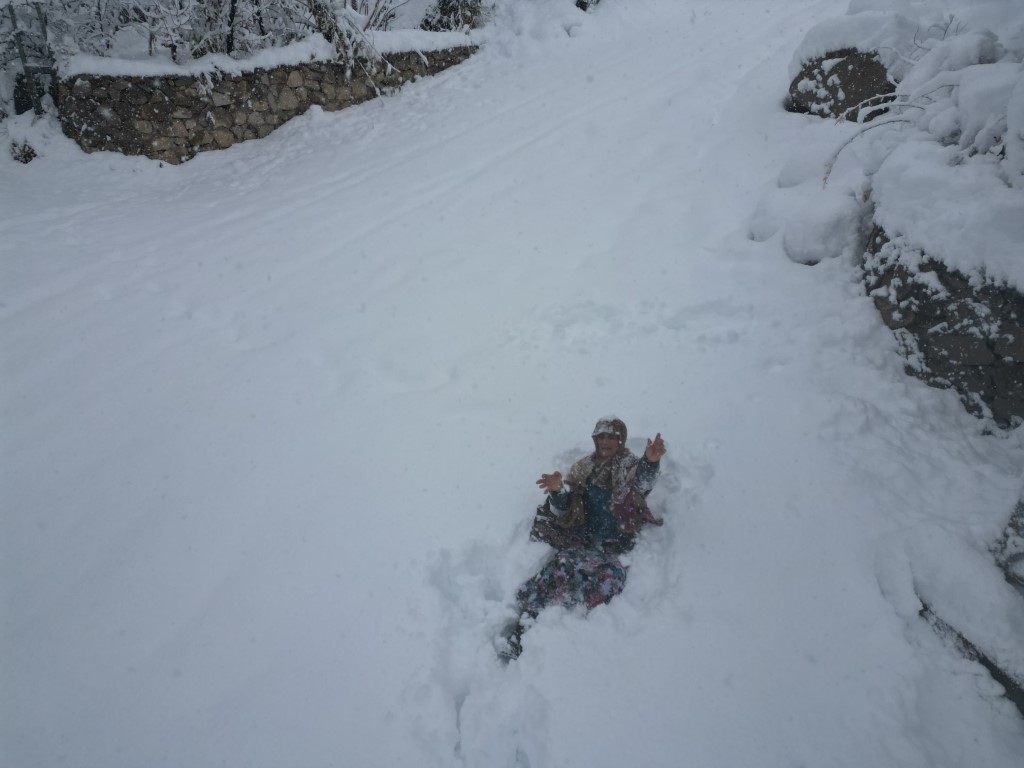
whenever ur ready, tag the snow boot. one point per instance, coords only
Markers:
(510, 642)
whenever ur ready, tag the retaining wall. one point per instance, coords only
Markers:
(171, 118)
(956, 331)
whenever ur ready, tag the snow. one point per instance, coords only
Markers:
(273, 419)
(975, 598)
(888, 33)
(952, 55)
(313, 48)
(921, 195)
(1015, 136)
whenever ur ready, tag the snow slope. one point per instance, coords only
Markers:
(273, 417)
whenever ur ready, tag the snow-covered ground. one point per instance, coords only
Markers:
(272, 420)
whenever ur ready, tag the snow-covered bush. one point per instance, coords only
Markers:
(30, 43)
(192, 28)
(954, 183)
(960, 93)
(946, 165)
(378, 13)
(452, 15)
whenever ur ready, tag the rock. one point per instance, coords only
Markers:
(153, 111)
(223, 138)
(294, 79)
(1007, 411)
(1010, 342)
(286, 100)
(186, 97)
(831, 86)
(123, 110)
(1008, 379)
(359, 89)
(960, 349)
(168, 156)
(220, 118)
(136, 96)
(892, 315)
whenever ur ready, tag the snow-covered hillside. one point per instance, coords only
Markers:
(272, 421)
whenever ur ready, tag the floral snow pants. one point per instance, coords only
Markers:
(577, 575)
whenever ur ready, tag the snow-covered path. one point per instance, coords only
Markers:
(273, 419)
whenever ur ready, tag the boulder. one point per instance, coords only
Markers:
(835, 84)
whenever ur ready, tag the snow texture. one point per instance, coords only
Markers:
(273, 419)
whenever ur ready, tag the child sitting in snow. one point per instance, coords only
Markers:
(600, 506)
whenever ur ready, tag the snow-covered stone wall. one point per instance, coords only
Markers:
(173, 117)
(956, 331)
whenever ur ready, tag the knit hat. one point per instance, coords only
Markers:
(610, 425)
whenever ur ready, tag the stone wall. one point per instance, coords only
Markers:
(956, 332)
(171, 118)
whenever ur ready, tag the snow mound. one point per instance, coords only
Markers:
(828, 226)
(890, 34)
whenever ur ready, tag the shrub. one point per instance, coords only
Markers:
(452, 15)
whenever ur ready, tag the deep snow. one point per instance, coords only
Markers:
(273, 417)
